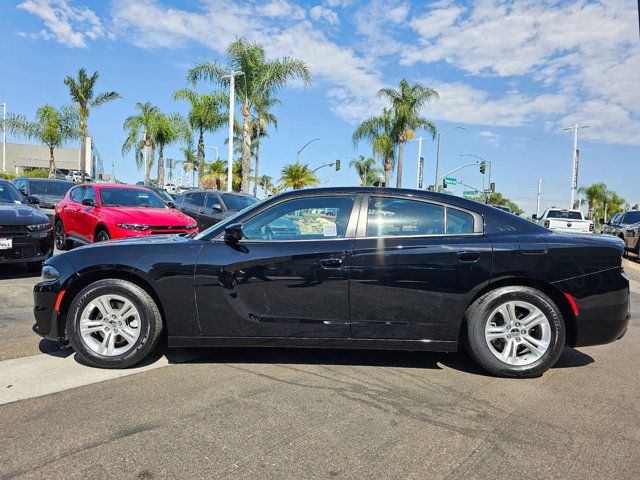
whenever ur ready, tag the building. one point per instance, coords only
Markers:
(21, 157)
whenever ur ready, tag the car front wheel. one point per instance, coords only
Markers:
(113, 323)
(515, 332)
(62, 242)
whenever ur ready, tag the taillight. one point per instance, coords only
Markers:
(591, 227)
(546, 224)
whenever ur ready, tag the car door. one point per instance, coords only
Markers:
(294, 287)
(213, 211)
(86, 217)
(72, 210)
(193, 206)
(415, 267)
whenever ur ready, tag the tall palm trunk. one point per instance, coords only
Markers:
(387, 170)
(147, 160)
(246, 148)
(200, 155)
(83, 144)
(256, 178)
(400, 159)
(160, 181)
(52, 164)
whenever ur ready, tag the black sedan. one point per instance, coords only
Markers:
(364, 268)
(48, 191)
(26, 235)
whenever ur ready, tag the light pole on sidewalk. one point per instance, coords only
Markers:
(232, 93)
(440, 135)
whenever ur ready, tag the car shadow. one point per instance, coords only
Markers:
(51, 347)
(12, 271)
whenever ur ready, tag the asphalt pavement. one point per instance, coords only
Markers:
(285, 413)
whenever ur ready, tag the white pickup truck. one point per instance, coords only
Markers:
(564, 220)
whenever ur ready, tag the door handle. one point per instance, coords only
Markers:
(331, 263)
(201, 210)
(469, 256)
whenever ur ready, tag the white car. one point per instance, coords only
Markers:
(171, 188)
(76, 176)
(565, 220)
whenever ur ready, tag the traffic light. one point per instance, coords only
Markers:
(483, 167)
(492, 187)
(444, 184)
(337, 165)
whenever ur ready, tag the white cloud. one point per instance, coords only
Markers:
(281, 8)
(69, 25)
(322, 13)
(490, 137)
(376, 22)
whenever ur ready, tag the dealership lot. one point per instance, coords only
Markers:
(316, 414)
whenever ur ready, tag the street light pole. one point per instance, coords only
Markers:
(435, 184)
(216, 148)
(305, 146)
(574, 160)
(4, 136)
(232, 92)
(420, 170)
(540, 180)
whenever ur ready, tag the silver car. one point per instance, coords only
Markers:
(620, 222)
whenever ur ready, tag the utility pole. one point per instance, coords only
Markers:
(435, 184)
(305, 146)
(4, 136)
(420, 164)
(232, 92)
(540, 180)
(575, 158)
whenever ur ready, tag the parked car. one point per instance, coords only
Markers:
(76, 176)
(47, 191)
(171, 188)
(164, 195)
(95, 213)
(26, 235)
(565, 220)
(369, 268)
(619, 223)
(209, 207)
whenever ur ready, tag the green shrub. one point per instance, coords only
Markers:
(36, 173)
(7, 175)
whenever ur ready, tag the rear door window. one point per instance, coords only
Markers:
(197, 199)
(388, 216)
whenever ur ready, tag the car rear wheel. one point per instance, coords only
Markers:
(113, 324)
(62, 242)
(102, 236)
(515, 332)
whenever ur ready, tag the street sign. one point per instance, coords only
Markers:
(450, 181)
(470, 192)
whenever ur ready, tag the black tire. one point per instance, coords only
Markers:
(102, 235)
(150, 323)
(478, 315)
(62, 242)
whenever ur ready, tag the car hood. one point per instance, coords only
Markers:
(20, 214)
(149, 216)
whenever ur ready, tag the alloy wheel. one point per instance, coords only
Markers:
(110, 325)
(59, 232)
(518, 333)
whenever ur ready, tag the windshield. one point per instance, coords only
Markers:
(226, 221)
(237, 202)
(50, 187)
(130, 197)
(564, 214)
(632, 217)
(9, 193)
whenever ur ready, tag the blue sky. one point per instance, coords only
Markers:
(513, 73)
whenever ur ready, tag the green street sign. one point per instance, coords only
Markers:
(470, 192)
(450, 181)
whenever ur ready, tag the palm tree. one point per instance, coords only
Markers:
(215, 175)
(51, 126)
(166, 130)
(190, 162)
(367, 171)
(266, 183)
(406, 103)
(261, 78)
(205, 116)
(297, 176)
(81, 92)
(139, 128)
(380, 132)
(263, 118)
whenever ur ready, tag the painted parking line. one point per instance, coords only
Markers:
(38, 375)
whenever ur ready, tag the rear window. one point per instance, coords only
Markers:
(564, 215)
(57, 188)
(237, 202)
(632, 217)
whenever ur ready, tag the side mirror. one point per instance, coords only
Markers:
(33, 200)
(233, 233)
(88, 202)
(217, 207)
(603, 222)
(534, 216)
(23, 191)
(171, 205)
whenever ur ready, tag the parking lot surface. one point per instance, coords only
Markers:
(278, 413)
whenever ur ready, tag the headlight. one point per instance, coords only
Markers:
(49, 273)
(191, 227)
(133, 226)
(39, 227)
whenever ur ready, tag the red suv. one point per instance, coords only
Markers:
(95, 213)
